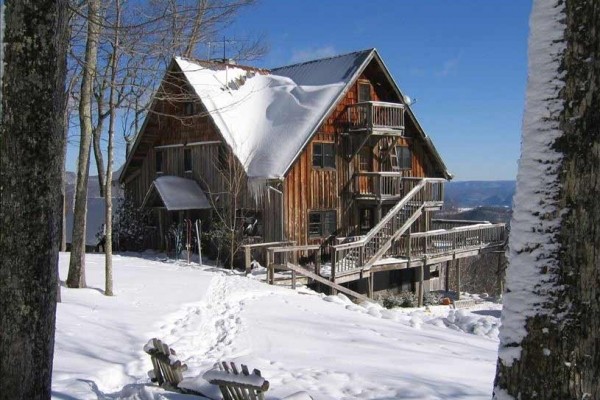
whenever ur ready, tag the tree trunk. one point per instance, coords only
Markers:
(76, 277)
(31, 159)
(550, 334)
(108, 287)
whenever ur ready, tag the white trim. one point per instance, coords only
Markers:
(204, 143)
(167, 146)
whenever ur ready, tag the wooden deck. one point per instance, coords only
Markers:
(390, 245)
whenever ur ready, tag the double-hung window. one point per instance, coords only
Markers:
(402, 159)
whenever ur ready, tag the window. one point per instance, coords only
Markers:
(324, 155)
(321, 223)
(365, 157)
(364, 92)
(187, 160)
(404, 156)
(188, 108)
(159, 161)
(402, 159)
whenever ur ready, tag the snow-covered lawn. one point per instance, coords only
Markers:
(324, 345)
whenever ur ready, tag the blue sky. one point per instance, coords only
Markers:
(465, 62)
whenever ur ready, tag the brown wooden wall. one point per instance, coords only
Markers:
(305, 188)
(309, 189)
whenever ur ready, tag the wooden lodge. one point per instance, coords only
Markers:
(323, 158)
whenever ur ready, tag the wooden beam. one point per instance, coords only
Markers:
(332, 285)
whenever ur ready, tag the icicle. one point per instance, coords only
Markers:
(257, 187)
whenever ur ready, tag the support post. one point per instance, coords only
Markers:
(500, 274)
(370, 285)
(247, 259)
(447, 277)
(270, 266)
(332, 278)
(421, 281)
(457, 262)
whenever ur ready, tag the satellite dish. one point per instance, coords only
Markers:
(408, 101)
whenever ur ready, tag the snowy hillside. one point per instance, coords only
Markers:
(300, 340)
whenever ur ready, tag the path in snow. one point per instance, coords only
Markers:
(326, 345)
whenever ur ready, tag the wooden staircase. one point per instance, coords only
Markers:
(362, 253)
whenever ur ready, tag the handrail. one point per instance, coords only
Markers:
(378, 103)
(448, 241)
(383, 221)
(362, 253)
(383, 173)
(371, 114)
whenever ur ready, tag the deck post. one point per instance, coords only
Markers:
(332, 278)
(247, 259)
(370, 285)
(421, 280)
(447, 277)
(270, 266)
(457, 262)
(500, 274)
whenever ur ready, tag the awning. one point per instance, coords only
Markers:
(175, 193)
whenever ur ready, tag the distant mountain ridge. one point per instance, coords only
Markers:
(470, 194)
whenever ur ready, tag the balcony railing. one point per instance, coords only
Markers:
(375, 116)
(382, 185)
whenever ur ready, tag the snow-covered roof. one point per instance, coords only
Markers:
(176, 194)
(268, 118)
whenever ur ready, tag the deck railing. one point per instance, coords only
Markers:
(446, 242)
(364, 252)
(375, 115)
(453, 223)
(391, 184)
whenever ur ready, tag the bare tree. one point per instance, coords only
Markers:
(76, 276)
(31, 158)
(550, 334)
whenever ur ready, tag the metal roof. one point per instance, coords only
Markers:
(325, 71)
(175, 193)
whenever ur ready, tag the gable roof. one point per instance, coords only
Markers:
(268, 117)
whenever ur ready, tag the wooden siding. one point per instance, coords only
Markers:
(307, 188)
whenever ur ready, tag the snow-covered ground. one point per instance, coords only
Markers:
(325, 345)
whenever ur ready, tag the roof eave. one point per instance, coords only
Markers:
(427, 139)
(139, 134)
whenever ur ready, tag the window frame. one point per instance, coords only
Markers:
(405, 157)
(322, 159)
(188, 108)
(360, 86)
(365, 158)
(324, 226)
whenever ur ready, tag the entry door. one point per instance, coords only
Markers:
(366, 219)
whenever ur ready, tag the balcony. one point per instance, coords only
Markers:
(390, 186)
(376, 117)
